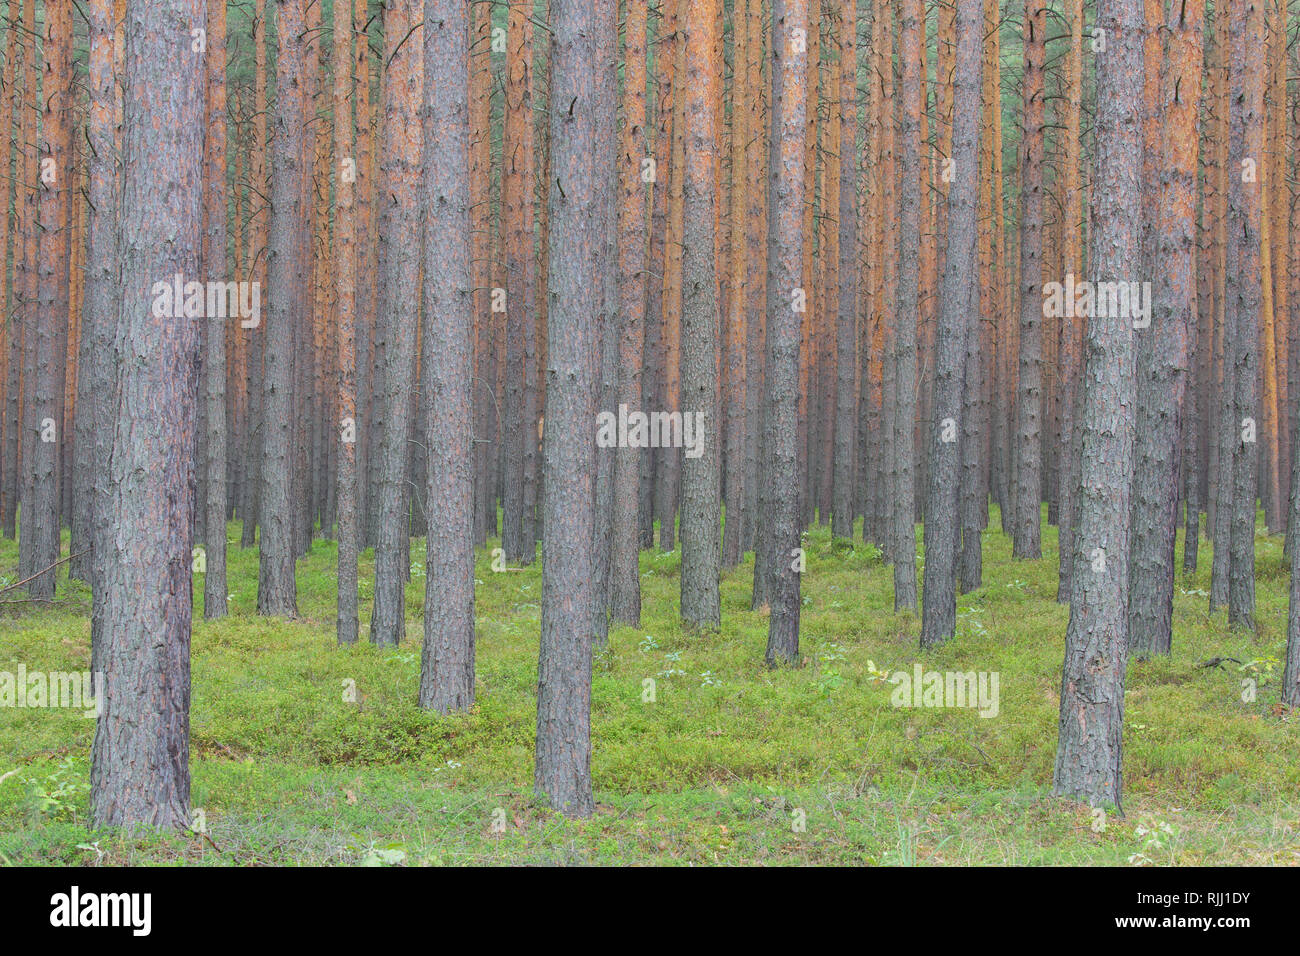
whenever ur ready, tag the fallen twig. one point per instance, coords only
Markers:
(18, 584)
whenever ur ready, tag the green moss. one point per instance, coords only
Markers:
(291, 766)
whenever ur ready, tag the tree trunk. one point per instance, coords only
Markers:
(1163, 347)
(953, 334)
(345, 429)
(12, 325)
(562, 772)
(95, 374)
(905, 319)
(1026, 541)
(700, 531)
(780, 473)
(755, 270)
(400, 175)
(670, 459)
(1073, 328)
(214, 358)
(1242, 334)
(41, 521)
(140, 758)
(277, 593)
(846, 323)
(736, 334)
(517, 226)
(447, 675)
(1096, 639)
(625, 572)
(606, 357)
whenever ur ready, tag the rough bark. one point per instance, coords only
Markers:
(1072, 329)
(520, 263)
(700, 532)
(737, 304)
(400, 173)
(10, 102)
(625, 572)
(670, 459)
(95, 375)
(1242, 334)
(780, 474)
(846, 322)
(606, 356)
(447, 675)
(345, 175)
(562, 772)
(908, 310)
(956, 327)
(1026, 533)
(41, 520)
(140, 758)
(1163, 348)
(1088, 765)
(214, 333)
(755, 270)
(276, 588)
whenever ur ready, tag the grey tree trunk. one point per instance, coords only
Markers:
(755, 279)
(780, 536)
(562, 773)
(26, 276)
(1026, 535)
(700, 516)
(277, 592)
(735, 305)
(1291, 670)
(520, 266)
(911, 31)
(95, 374)
(1220, 517)
(1164, 347)
(606, 356)
(846, 324)
(214, 358)
(140, 758)
(1245, 144)
(347, 66)
(955, 330)
(447, 675)
(12, 323)
(1096, 639)
(41, 521)
(400, 165)
(625, 572)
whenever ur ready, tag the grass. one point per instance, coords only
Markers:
(306, 753)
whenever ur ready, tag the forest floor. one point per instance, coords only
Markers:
(731, 763)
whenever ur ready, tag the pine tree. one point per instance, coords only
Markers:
(785, 296)
(447, 676)
(276, 586)
(140, 758)
(1096, 640)
(625, 571)
(214, 331)
(701, 555)
(956, 326)
(400, 170)
(1163, 347)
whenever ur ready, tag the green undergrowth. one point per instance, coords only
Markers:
(305, 752)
